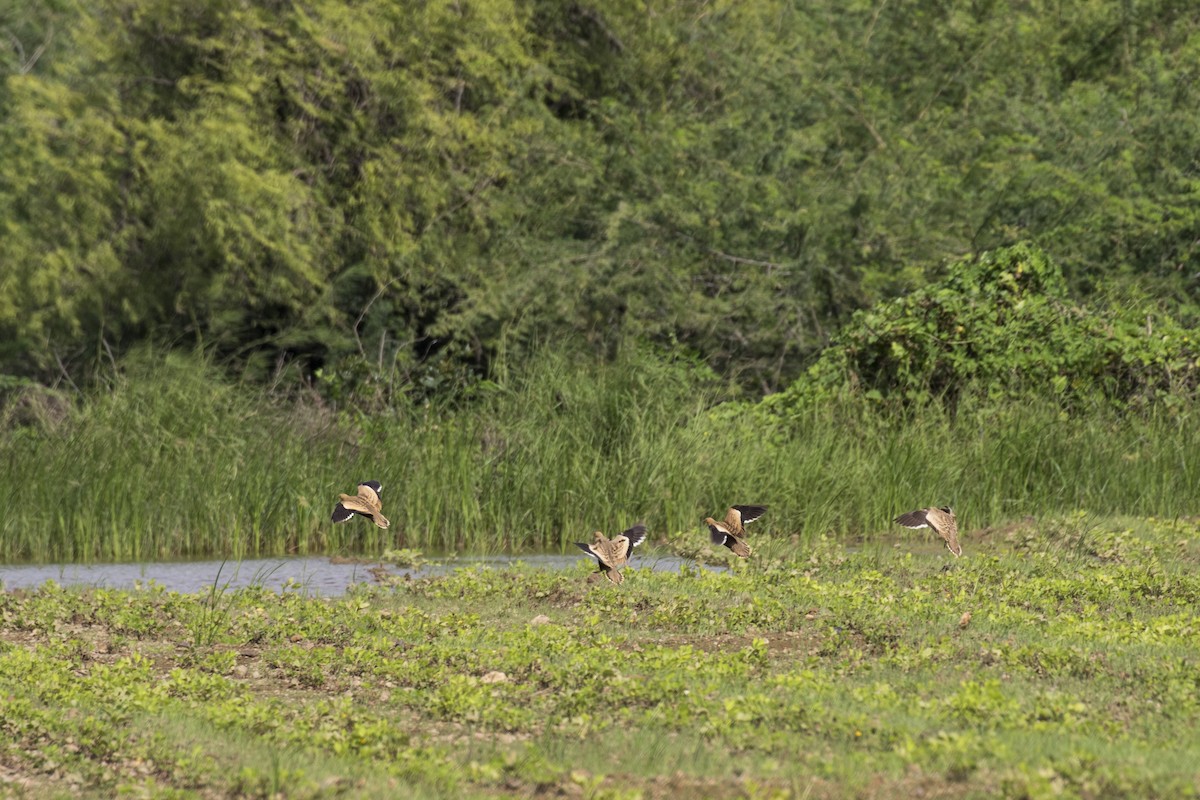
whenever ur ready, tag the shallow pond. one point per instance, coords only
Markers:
(315, 575)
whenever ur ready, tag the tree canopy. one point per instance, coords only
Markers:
(411, 194)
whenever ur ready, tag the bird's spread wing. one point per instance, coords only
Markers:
(341, 513)
(357, 505)
(746, 514)
(733, 518)
(636, 535)
(619, 549)
(913, 519)
(587, 548)
(369, 494)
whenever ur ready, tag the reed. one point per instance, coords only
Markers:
(174, 461)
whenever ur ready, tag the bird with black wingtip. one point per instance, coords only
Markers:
(732, 532)
(366, 503)
(941, 520)
(612, 554)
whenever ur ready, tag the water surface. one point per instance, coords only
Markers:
(313, 574)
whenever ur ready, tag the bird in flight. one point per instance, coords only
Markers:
(611, 554)
(941, 520)
(732, 532)
(366, 503)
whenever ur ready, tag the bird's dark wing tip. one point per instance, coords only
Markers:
(913, 519)
(587, 548)
(636, 535)
(750, 513)
(376, 486)
(341, 513)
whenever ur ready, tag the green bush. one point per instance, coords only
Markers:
(1002, 326)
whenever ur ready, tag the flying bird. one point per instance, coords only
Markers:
(732, 532)
(365, 503)
(941, 520)
(611, 554)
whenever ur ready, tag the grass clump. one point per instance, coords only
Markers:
(173, 460)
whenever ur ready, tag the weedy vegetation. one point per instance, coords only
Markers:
(173, 460)
(1058, 658)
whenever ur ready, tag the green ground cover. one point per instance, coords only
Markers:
(809, 671)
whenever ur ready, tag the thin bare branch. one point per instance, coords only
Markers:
(16, 43)
(63, 369)
(753, 262)
(378, 293)
(28, 63)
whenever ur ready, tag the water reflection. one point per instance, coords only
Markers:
(314, 575)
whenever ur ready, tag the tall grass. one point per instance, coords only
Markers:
(173, 461)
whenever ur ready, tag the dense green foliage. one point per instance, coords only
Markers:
(397, 193)
(1003, 328)
(510, 257)
(506, 256)
(1053, 660)
(171, 460)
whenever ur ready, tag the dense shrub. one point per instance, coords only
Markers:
(1003, 325)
